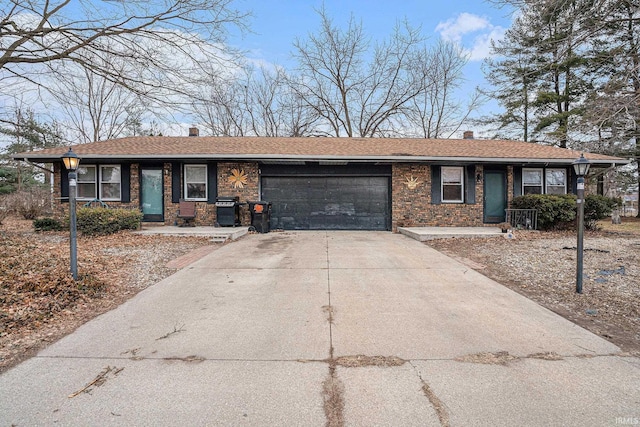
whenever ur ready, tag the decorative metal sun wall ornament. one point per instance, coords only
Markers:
(238, 178)
(411, 182)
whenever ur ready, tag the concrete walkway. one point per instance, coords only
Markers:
(295, 328)
(428, 233)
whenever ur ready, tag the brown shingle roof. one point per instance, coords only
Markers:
(373, 149)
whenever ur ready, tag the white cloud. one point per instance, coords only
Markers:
(481, 48)
(454, 28)
(472, 32)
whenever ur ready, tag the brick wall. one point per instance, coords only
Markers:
(413, 207)
(248, 192)
(61, 206)
(509, 185)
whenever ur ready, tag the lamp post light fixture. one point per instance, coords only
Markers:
(71, 161)
(581, 167)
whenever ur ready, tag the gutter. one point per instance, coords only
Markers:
(299, 157)
(38, 166)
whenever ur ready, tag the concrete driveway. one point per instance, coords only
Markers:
(303, 328)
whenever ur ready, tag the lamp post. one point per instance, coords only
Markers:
(71, 161)
(581, 167)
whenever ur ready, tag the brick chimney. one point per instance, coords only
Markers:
(468, 134)
(194, 131)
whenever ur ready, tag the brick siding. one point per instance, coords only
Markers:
(410, 207)
(413, 207)
(248, 193)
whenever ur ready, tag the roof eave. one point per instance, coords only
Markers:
(307, 157)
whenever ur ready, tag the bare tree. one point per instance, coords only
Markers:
(37, 35)
(258, 102)
(356, 97)
(436, 112)
(96, 108)
(274, 108)
(221, 108)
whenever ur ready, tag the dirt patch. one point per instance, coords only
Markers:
(437, 404)
(361, 360)
(333, 397)
(536, 265)
(498, 358)
(41, 303)
(546, 356)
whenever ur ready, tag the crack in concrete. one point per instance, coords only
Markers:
(176, 330)
(332, 387)
(438, 405)
(333, 398)
(503, 358)
(98, 381)
(361, 360)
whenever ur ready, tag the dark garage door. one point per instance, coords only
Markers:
(328, 203)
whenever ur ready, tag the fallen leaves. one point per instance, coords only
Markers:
(40, 301)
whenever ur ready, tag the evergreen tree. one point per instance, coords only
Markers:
(25, 133)
(540, 70)
(513, 80)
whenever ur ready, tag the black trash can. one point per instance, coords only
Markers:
(260, 216)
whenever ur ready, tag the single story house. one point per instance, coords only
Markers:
(318, 182)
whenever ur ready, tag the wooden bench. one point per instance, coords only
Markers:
(187, 212)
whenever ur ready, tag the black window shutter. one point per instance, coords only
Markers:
(471, 185)
(517, 181)
(175, 182)
(574, 181)
(212, 182)
(64, 183)
(125, 183)
(436, 196)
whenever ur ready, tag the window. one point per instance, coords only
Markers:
(195, 182)
(99, 182)
(110, 182)
(86, 182)
(556, 181)
(452, 184)
(531, 181)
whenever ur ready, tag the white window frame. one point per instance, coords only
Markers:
(541, 172)
(186, 183)
(459, 169)
(97, 183)
(94, 181)
(119, 182)
(547, 185)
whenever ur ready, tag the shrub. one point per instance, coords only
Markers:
(47, 224)
(30, 203)
(598, 207)
(5, 208)
(554, 211)
(100, 221)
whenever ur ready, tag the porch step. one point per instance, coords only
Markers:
(219, 238)
(428, 233)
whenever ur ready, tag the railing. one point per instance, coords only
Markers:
(523, 219)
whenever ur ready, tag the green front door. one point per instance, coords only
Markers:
(495, 196)
(151, 194)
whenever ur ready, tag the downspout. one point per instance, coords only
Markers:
(603, 172)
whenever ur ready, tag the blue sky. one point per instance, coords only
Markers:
(471, 23)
